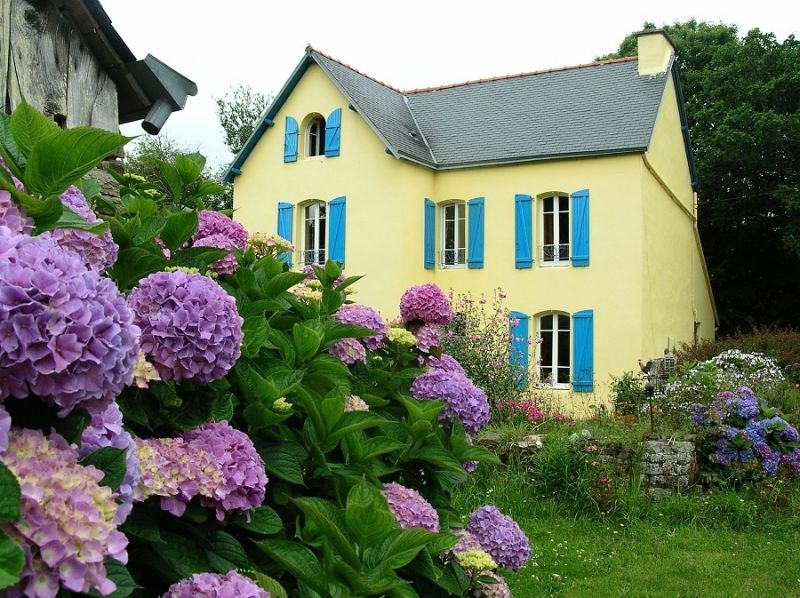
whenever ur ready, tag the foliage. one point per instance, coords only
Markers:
(176, 173)
(743, 106)
(329, 437)
(479, 338)
(628, 393)
(781, 344)
(238, 111)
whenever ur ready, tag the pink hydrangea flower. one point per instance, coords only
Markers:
(349, 351)
(425, 303)
(366, 317)
(216, 585)
(429, 336)
(463, 400)
(410, 509)
(500, 536)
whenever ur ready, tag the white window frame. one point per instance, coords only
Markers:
(460, 258)
(554, 364)
(320, 234)
(556, 260)
(319, 144)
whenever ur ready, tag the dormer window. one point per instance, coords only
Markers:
(315, 137)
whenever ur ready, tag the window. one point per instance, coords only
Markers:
(555, 229)
(554, 350)
(454, 234)
(315, 137)
(314, 216)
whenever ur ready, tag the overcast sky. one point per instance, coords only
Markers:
(408, 44)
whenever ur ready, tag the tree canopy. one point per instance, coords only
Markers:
(742, 98)
(238, 110)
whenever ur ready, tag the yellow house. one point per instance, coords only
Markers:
(572, 189)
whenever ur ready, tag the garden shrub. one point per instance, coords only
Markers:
(743, 438)
(195, 418)
(780, 344)
(628, 393)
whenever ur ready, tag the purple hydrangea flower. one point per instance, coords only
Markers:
(11, 214)
(463, 400)
(217, 223)
(349, 351)
(428, 336)
(176, 471)
(789, 434)
(105, 430)
(216, 585)
(226, 265)
(792, 460)
(499, 589)
(5, 428)
(366, 317)
(500, 536)
(447, 363)
(770, 466)
(97, 252)
(409, 508)
(191, 329)
(66, 334)
(425, 303)
(466, 541)
(743, 403)
(244, 484)
(68, 524)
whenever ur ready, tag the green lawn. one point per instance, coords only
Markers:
(698, 546)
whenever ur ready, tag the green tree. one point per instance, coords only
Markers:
(238, 111)
(743, 105)
(149, 156)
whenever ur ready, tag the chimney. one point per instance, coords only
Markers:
(655, 50)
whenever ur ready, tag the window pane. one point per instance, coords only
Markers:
(548, 229)
(462, 235)
(563, 203)
(546, 348)
(309, 237)
(563, 322)
(563, 227)
(547, 204)
(563, 375)
(546, 323)
(563, 348)
(449, 234)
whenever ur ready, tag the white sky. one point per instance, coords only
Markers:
(408, 44)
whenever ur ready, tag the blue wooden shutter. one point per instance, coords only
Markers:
(518, 326)
(337, 226)
(429, 242)
(285, 226)
(583, 351)
(290, 140)
(580, 228)
(333, 133)
(523, 245)
(475, 240)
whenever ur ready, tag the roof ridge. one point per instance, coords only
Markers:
(355, 70)
(520, 75)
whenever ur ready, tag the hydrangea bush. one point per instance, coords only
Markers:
(742, 435)
(188, 406)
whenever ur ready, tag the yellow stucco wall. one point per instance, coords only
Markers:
(631, 244)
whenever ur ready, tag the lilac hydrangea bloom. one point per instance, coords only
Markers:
(428, 336)
(425, 303)
(409, 508)
(226, 265)
(217, 223)
(176, 471)
(789, 434)
(68, 524)
(447, 363)
(366, 317)
(500, 536)
(105, 430)
(11, 214)
(499, 589)
(463, 400)
(245, 481)
(66, 333)
(191, 329)
(5, 428)
(216, 585)
(792, 460)
(349, 351)
(97, 252)
(466, 541)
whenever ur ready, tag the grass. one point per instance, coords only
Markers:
(723, 544)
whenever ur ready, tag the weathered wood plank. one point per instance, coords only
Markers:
(39, 55)
(5, 46)
(91, 95)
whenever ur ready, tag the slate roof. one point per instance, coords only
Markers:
(593, 109)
